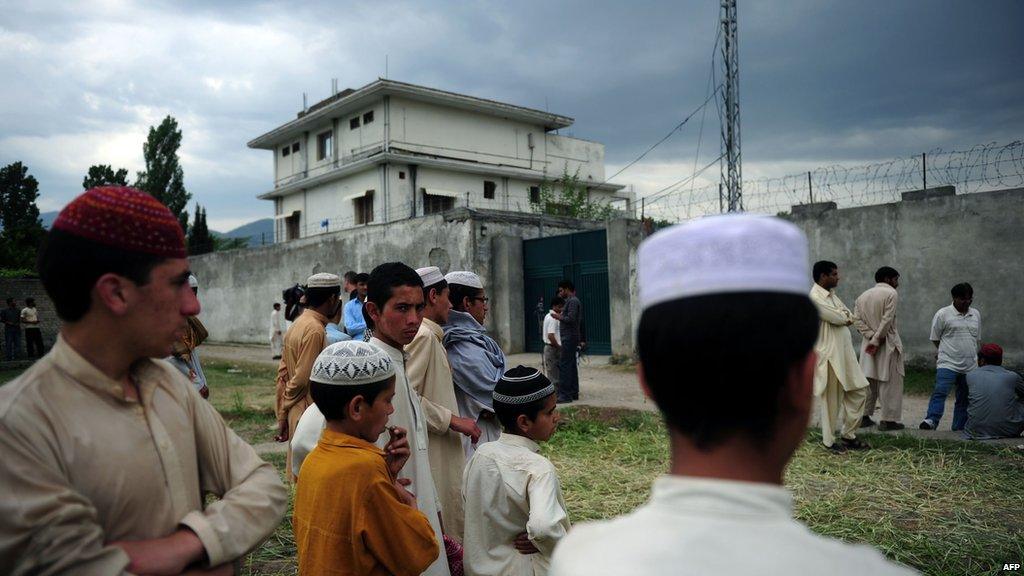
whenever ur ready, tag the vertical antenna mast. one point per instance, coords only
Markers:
(732, 176)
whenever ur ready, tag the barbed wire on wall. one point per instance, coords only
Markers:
(983, 167)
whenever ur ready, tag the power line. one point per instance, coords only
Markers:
(666, 137)
(668, 189)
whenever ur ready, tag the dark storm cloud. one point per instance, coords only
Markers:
(821, 82)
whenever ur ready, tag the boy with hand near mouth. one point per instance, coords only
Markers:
(515, 513)
(351, 511)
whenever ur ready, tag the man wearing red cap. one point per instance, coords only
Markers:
(108, 453)
(995, 407)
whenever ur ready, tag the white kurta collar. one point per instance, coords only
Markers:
(714, 496)
(521, 441)
(396, 354)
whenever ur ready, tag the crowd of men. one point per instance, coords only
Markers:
(417, 451)
(989, 403)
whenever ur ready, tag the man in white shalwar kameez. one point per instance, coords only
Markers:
(277, 330)
(731, 291)
(395, 304)
(431, 377)
(838, 380)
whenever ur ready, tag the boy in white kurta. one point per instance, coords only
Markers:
(515, 514)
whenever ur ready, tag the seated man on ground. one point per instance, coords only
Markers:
(996, 406)
(515, 514)
(726, 341)
(351, 512)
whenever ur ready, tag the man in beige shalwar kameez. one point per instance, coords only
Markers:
(303, 342)
(881, 351)
(431, 376)
(109, 454)
(838, 380)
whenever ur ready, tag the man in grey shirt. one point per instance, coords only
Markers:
(956, 333)
(996, 408)
(569, 326)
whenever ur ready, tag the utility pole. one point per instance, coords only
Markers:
(732, 176)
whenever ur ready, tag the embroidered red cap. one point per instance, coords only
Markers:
(126, 218)
(993, 352)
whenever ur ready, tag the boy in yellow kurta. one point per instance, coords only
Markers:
(352, 516)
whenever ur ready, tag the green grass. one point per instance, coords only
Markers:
(244, 395)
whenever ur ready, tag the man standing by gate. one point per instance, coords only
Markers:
(569, 325)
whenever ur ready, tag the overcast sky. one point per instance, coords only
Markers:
(821, 82)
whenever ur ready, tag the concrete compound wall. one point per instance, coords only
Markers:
(238, 287)
(935, 239)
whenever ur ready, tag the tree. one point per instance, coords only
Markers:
(200, 241)
(22, 230)
(104, 175)
(567, 196)
(163, 178)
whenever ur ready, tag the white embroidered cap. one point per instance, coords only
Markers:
(352, 363)
(464, 278)
(723, 254)
(323, 280)
(430, 275)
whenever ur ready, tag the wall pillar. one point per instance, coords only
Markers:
(506, 293)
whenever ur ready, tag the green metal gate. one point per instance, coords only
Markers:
(582, 258)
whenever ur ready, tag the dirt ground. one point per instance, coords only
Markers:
(613, 386)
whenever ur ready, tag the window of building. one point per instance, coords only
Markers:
(432, 203)
(324, 146)
(489, 188)
(286, 151)
(535, 194)
(295, 147)
(368, 117)
(401, 175)
(353, 123)
(364, 208)
(291, 226)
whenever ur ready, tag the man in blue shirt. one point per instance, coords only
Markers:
(355, 324)
(996, 406)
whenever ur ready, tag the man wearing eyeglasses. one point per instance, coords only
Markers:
(476, 360)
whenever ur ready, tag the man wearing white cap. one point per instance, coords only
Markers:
(184, 356)
(302, 343)
(431, 377)
(725, 296)
(476, 359)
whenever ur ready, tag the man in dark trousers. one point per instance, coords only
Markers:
(11, 317)
(569, 325)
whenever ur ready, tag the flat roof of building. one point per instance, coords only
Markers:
(349, 100)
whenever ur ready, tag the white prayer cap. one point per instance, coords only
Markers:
(323, 280)
(430, 275)
(193, 282)
(723, 254)
(464, 278)
(352, 363)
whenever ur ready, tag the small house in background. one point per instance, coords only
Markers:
(392, 151)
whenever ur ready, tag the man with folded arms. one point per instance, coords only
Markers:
(108, 454)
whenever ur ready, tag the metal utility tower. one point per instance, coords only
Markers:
(732, 174)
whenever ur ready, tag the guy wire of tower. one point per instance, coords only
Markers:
(732, 171)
